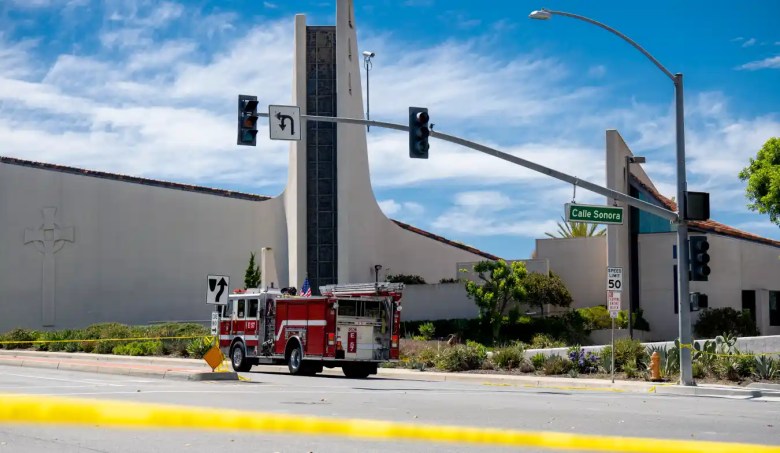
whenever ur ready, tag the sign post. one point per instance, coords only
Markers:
(614, 296)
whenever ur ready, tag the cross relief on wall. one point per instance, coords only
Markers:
(49, 239)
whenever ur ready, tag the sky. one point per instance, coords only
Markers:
(148, 88)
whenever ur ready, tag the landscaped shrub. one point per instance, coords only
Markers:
(766, 367)
(178, 346)
(538, 360)
(596, 317)
(460, 358)
(427, 330)
(509, 357)
(139, 348)
(19, 335)
(584, 362)
(542, 341)
(555, 365)
(197, 347)
(716, 321)
(406, 279)
(632, 352)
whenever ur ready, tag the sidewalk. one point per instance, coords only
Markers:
(196, 369)
(157, 367)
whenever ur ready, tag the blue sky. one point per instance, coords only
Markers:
(148, 88)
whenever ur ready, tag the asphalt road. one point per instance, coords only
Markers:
(569, 411)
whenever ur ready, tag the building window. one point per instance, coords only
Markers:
(774, 308)
(749, 303)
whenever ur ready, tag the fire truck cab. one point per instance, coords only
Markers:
(355, 327)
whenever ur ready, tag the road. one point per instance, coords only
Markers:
(589, 412)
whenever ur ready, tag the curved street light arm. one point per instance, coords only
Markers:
(625, 38)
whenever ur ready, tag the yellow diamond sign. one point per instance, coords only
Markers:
(213, 357)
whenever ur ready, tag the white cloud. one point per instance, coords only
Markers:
(407, 208)
(749, 42)
(597, 71)
(270, 5)
(766, 63)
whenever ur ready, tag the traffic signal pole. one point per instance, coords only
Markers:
(631, 201)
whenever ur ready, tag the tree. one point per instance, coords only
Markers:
(252, 274)
(763, 180)
(500, 291)
(546, 289)
(576, 230)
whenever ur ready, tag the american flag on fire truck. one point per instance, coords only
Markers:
(306, 288)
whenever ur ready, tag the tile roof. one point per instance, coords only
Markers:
(446, 241)
(210, 191)
(133, 179)
(707, 226)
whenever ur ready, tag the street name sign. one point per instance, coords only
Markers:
(284, 122)
(614, 279)
(610, 215)
(217, 289)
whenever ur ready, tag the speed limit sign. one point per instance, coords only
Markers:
(614, 279)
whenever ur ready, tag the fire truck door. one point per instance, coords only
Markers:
(239, 317)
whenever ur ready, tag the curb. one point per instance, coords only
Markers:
(175, 368)
(100, 365)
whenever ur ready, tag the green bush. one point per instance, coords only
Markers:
(460, 358)
(176, 347)
(556, 365)
(197, 347)
(139, 348)
(717, 321)
(538, 360)
(427, 331)
(631, 352)
(509, 357)
(19, 335)
(699, 370)
(406, 279)
(543, 341)
(596, 317)
(766, 367)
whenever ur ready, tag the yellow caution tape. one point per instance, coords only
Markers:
(720, 354)
(115, 414)
(87, 340)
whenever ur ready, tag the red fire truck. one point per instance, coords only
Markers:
(355, 327)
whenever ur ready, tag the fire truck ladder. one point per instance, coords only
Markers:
(361, 288)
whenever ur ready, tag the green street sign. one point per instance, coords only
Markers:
(594, 214)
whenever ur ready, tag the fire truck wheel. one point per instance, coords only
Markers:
(238, 358)
(356, 371)
(295, 360)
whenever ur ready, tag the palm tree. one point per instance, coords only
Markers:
(576, 230)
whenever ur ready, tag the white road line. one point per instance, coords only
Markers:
(83, 381)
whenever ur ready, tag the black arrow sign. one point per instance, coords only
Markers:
(222, 284)
(282, 124)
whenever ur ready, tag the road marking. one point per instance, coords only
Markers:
(83, 381)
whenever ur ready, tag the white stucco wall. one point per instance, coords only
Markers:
(437, 301)
(141, 253)
(582, 265)
(736, 265)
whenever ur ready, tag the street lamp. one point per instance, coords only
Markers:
(684, 318)
(367, 56)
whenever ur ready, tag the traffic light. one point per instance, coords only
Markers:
(247, 120)
(699, 301)
(699, 258)
(418, 132)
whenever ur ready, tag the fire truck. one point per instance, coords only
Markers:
(354, 326)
